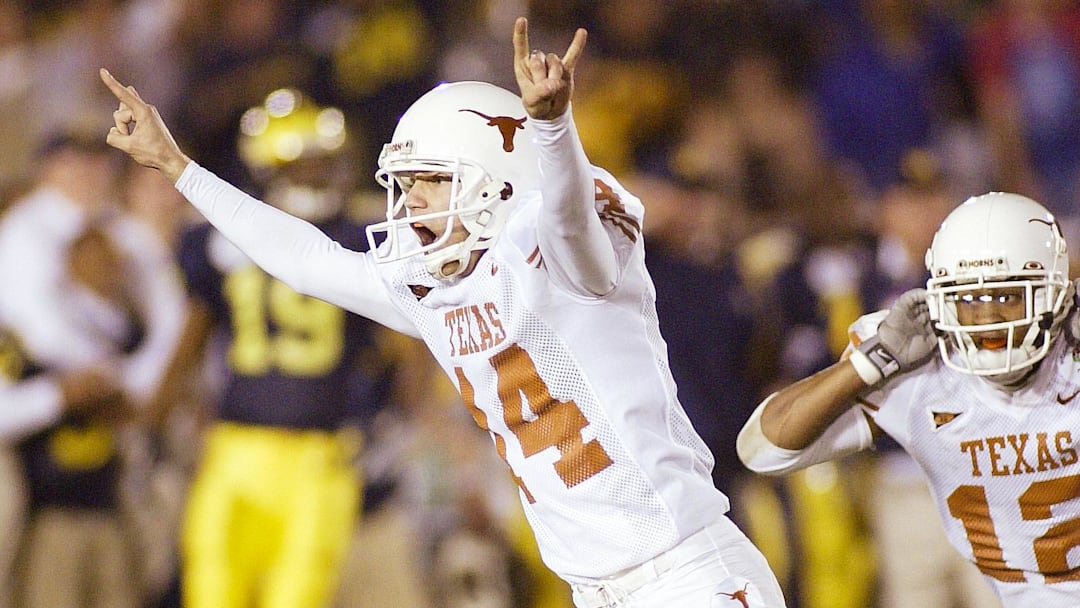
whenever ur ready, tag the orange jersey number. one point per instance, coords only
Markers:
(556, 424)
(968, 504)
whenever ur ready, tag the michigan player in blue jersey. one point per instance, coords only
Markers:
(274, 502)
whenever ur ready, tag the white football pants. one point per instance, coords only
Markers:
(716, 567)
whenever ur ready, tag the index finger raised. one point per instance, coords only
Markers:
(126, 95)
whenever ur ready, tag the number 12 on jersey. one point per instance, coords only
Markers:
(968, 504)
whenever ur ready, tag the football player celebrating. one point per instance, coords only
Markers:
(989, 421)
(522, 268)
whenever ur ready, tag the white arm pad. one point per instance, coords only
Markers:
(866, 369)
(848, 434)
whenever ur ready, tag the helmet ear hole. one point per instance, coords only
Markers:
(504, 192)
(1046, 321)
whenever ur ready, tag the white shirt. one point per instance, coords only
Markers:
(63, 326)
(575, 390)
(34, 235)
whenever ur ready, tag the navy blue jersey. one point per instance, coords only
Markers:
(293, 361)
(72, 464)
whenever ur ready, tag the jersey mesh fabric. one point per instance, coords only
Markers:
(626, 477)
(1004, 469)
(679, 424)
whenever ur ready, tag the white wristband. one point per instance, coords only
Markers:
(866, 369)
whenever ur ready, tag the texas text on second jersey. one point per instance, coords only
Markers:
(1004, 468)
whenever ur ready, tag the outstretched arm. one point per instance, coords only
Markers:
(797, 415)
(574, 243)
(292, 250)
(810, 422)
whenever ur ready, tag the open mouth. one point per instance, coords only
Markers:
(991, 343)
(424, 233)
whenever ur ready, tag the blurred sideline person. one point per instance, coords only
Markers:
(30, 402)
(522, 268)
(808, 523)
(989, 421)
(74, 467)
(81, 292)
(275, 498)
(74, 189)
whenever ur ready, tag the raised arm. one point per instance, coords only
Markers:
(292, 250)
(574, 243)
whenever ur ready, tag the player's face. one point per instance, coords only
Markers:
(427, 193)
(989, 306)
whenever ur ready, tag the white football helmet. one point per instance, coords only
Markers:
(999, 240)
(481, 136)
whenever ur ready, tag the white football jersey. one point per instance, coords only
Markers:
(575, 392)
(1004, 468)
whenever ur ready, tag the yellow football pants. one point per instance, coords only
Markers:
(269, 517)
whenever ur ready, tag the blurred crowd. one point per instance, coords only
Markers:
(794, 157)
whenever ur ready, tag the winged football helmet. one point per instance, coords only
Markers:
(300, 153)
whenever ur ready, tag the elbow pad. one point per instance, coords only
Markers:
(848, 434)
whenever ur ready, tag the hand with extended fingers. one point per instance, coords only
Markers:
(546, 81)
(140, 132)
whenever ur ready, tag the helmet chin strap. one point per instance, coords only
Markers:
(1014, 380)
(1048, 326)
(444, 267)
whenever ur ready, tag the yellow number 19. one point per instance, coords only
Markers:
(276, 328)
